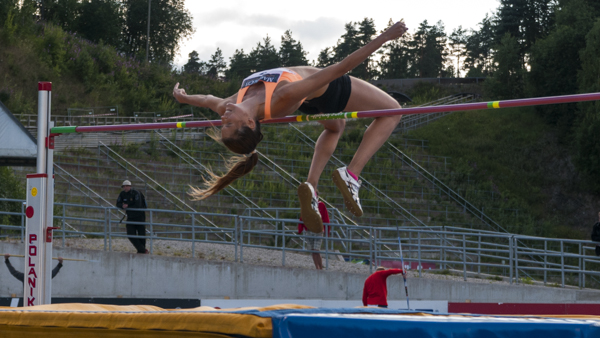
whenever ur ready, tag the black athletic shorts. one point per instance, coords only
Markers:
(334, 100)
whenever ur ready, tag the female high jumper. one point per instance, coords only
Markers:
(280, 92)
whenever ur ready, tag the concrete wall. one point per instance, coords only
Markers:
(114, 274)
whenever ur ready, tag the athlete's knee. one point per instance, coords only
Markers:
(395, 119)
(336, 126)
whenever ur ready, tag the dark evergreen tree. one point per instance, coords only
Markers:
(240, 66)
(479, 49)
(291, 52)
(264, 56)
(507, 81)
(216, 65)
(348, 43)
(458, 39)
(194, 65)
(526, 20)
(587, 141)
(429, 50)
(325, 58)
(555, 61)
(396, 59)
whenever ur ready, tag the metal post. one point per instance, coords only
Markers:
(326, 250)
(580, 266)
(151, 233)
(105, 226)
(419, 252)
(510, 258)
(562, 263)
(241, 240)
(371, 250)
(193, 235)
(236, 238)
(282, 245)
(479, 254)
(516, 247)
(545, 260)
(464, 257)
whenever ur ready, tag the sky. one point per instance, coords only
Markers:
(238, 24)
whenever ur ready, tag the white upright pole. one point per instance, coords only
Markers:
(40, 188)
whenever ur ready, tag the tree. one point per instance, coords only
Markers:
(555, 61)
(240, 66)
(507, 80)
(347, 44)
(216, 65)
(7, 6)
(291, 52)
(264, 55)
(526, 20)
(429, 49)
(356, 36)
(101, 20)
(170, 23)
(587, 142)
(396, 59)
(325, 58)
(478, 49)
(63, 13)
(194, 65)
(458, 39)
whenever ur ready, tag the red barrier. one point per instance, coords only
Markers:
(525, 308)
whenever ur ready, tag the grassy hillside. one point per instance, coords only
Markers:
(515, 154)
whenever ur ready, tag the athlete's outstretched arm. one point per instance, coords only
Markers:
(214, 103)
(296, 91)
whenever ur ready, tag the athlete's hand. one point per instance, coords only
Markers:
(396, 31)
(179, 94)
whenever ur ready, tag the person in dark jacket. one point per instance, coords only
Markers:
(20, 276)
(375, 290)
(129, 198)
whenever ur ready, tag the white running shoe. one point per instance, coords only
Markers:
(309, 208)
(349, 188)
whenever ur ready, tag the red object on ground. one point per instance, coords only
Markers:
(524, 308)
(375, 289)
(29, 212)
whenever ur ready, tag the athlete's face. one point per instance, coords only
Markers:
(236, 116)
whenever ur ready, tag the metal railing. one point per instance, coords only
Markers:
(446, 250)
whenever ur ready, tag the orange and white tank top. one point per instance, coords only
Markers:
(270, 78)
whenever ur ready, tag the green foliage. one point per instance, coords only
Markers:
(490, 148)
(52, 49)
(507, 80)
(429, 50)
(587, 130)
(170, 23)
(555, 61)
(8, 33)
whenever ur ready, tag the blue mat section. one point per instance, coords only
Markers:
(317, 323)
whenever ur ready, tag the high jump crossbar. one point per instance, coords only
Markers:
(346, 115)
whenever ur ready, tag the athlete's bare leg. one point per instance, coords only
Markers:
(368, 97)
(324, 148)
